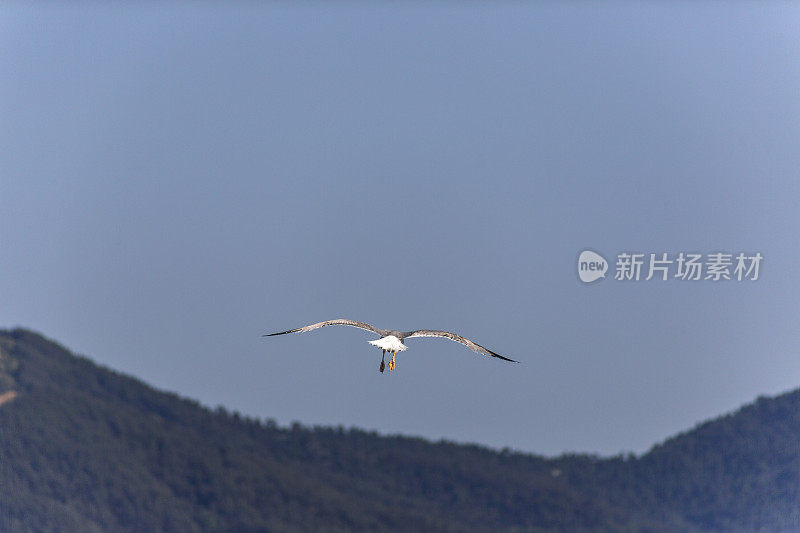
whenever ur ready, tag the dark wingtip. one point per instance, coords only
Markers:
(280, 333)
(502, 357)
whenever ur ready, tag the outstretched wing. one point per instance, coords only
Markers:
(336, 322)
(458, 338)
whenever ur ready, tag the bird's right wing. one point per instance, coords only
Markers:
(475, 347)
(335, 322)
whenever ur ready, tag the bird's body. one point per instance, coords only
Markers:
(390, 343)
(392, 340)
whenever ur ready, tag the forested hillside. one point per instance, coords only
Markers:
(83, 448)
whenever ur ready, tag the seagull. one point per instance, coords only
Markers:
(392, 340)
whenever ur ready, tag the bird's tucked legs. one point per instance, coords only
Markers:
(383, 365)
(391, 363)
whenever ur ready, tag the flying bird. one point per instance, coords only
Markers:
(392, 340)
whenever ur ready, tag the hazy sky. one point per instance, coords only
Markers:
(178, 179)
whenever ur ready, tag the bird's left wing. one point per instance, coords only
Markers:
(458, 338)
(335, 322)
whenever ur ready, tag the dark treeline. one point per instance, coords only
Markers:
(83, 448)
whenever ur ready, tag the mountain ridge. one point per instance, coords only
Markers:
(85, 447)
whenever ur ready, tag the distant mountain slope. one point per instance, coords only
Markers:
(740, 471)
(83, 448)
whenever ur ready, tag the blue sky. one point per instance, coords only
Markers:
(179, 179)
